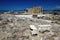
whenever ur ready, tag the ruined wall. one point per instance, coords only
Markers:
(34, 10)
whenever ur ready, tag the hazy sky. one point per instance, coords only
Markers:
(22, 4)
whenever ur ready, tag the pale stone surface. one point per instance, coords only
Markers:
(15, 28)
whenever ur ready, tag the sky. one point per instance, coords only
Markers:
(22, 4)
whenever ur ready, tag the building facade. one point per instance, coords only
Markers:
(34, 10)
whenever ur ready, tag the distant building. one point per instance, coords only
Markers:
(34, 10)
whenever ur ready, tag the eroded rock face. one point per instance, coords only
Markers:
(13, 28)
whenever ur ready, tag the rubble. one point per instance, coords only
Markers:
(15, 28)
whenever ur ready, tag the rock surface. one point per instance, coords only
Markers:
(14, 28)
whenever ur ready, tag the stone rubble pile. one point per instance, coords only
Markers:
(13, 28)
